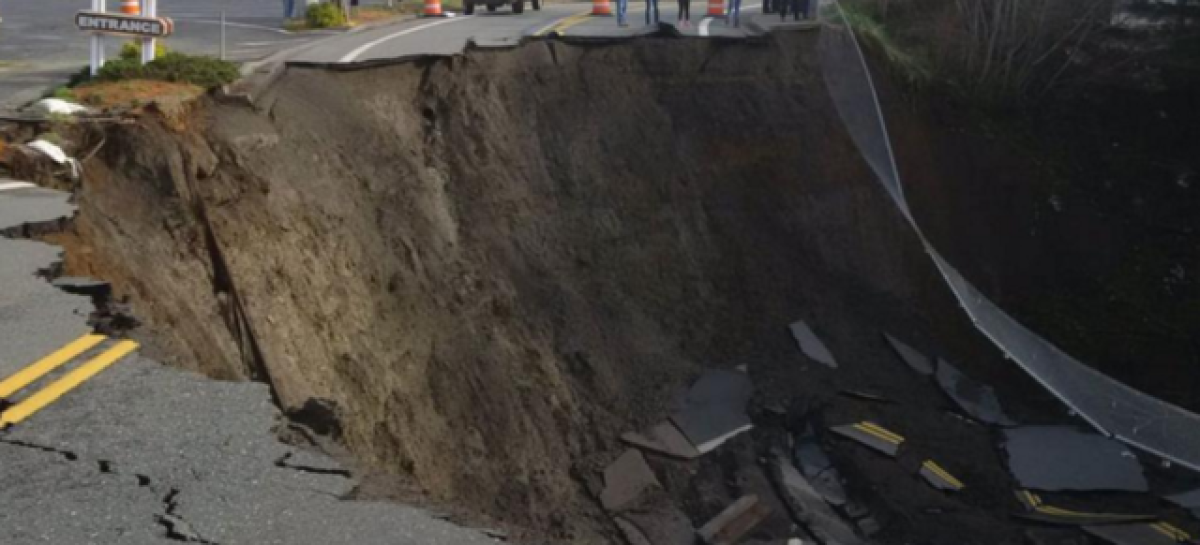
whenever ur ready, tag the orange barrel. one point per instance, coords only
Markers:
(130, 7)
(716, 8)
(601, 7)
(433, 8)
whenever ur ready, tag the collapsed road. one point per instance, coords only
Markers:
(643, 290)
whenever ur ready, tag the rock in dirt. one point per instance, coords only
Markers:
(663, 438)
(978, 400)
(625, 480)
(811, 345)
(735, 521)
(809, 507)
(715, 409)
(916, 361)
(1055, 458)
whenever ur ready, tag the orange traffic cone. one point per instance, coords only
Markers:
(433, 8)
(601, 7)
(130, 7)
(716, 8)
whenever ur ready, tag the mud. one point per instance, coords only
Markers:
(478, 271)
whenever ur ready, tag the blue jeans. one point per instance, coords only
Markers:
(734, 13)
(289, 9)
(622, 9)
(651, 5)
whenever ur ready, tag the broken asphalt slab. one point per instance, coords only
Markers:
(715, 409)
(939, 478)
(915, 360)
(811, 345)
(1063, 458)
(625, 480)
(816, 466)
(1155, 533)
(737, 520)
(663, 438)
(808, 506)
(977, 400)
(873, 436)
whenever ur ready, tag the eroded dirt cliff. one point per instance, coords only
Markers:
(489, 266)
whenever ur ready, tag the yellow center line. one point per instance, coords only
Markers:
(28, 375)
(879, 431)
(564, 24)
(875, 433)
(937, 470)
(1171, 531)
(68, 382)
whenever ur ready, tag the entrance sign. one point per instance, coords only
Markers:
(129, 25)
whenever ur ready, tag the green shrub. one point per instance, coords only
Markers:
(325, 15)
(203, 71)
(133, 49)
(64, 93)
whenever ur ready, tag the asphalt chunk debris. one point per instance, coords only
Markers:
(811, 345)
(1155, 533)
(1063, 458)
(715, 409)
(737, 520)
(939, 478)
(625, 480)
(664, 438)
(872, 435)
(1039, 511)
(914, 359)
(977, 400)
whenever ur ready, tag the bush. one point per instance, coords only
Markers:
(133, 49)
(325, 15)
(203, 71)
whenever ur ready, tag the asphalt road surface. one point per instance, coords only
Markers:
(143, 453)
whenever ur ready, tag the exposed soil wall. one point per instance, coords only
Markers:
(492, 265)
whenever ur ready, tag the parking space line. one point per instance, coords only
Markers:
(28, 375)
(70, 381)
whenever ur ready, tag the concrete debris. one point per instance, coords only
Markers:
(1055, 458)
(811, 345)
(734, 522)
(715, 409)
(663, 438)
(939, 478)
(816, 466)
(1155, 533)
(809, 508)
(917, 361)
(977, 400)
(872, 435)
(625, 480)
(1038, 510)
(56, 154)
(57, 106)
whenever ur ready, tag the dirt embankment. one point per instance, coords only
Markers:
(490, 266)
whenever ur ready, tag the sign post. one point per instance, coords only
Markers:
(97, 59)
(146, 27)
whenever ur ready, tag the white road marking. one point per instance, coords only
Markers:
(239, 25)
(353, 55)
(15, 185)
(704, 23)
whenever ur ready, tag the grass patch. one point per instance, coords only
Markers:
(203, 71)
(137, 92)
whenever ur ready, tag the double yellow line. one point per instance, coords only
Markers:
(1173, 533)
(561, 27)
(1034, 502)
(52, 392)
(945, 475)
(880, 432)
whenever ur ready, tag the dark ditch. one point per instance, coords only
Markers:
(477, 272)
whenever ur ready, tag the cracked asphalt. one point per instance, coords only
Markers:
(144, 453)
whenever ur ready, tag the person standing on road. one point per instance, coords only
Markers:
(651, 5)
(622, 9)
(733, 16)
(685, 14)
(798, 7)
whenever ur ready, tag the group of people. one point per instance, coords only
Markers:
(733, 11)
